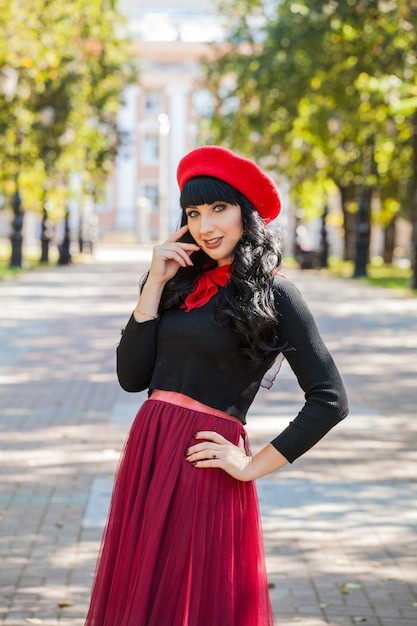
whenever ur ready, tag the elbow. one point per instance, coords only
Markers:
(128, 386)
(341, 404)
(331, 401)
(338, 397)
(128, 383)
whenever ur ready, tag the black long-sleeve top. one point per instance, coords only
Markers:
(189, 353)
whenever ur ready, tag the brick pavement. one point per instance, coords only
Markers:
(340, 523)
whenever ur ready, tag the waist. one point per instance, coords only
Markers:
(179, 399)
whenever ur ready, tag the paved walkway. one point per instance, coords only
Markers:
(340, 523)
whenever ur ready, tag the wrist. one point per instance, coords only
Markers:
(155, 283)
(266, 461)
(141, 316)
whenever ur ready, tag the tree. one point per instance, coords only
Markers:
(314, 90)
(73, 62)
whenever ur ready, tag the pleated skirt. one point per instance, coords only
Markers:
(182, 546)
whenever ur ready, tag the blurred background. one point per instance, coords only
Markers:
(99, 100)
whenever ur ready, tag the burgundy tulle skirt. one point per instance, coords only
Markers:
(182, 546)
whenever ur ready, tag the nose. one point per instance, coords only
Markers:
(206, 224)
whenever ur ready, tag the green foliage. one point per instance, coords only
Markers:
(379, 275)
(328, 90)
(72, 60)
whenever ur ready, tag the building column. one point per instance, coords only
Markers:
(179, 120)
(126, 162)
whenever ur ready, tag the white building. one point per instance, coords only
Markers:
(160, 116)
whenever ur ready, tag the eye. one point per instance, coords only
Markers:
(220, 207)
(191, 213)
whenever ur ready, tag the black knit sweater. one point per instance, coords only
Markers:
(190, 354)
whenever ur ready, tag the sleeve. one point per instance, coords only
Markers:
(136, 354)
(326, 400)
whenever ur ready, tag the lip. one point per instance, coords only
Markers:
(213, 243)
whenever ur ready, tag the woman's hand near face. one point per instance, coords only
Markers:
(169, 256)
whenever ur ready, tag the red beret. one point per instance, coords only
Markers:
(242, 174)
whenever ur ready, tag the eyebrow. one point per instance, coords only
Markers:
(194, 206)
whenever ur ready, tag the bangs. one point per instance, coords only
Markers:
(206, 190)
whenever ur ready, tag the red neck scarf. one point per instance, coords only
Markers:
(206, 285)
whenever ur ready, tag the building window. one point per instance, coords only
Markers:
(150, 149)
(151, 192)
(153, 102)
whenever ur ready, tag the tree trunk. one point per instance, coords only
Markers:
(389, 241)
(348, 226)
(414, 242)
(46, 236)
(16, 237)
(363, 233)
(413, 212)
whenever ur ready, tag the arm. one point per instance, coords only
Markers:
(167, 258)
(137, 349)
(135, 355)
(326, 400)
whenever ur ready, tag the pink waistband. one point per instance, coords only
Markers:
(179, 399)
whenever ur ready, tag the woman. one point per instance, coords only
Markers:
(183, 543)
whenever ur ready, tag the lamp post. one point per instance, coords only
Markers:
(363, 216)
(64, 247)
(324, 242)
(414, 242)
(362, 238)
(47, 118)
(16, 237)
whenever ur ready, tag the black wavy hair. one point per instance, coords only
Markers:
(248, 303)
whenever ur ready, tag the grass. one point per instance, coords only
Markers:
(30, 261)
(378, 274)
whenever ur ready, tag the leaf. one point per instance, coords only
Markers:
(63, 603)
(353, 586)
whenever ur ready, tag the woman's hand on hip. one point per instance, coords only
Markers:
(169, 256)
(216, 451)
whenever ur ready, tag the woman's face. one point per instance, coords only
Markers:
(216, 228)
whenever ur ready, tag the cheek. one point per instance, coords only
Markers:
(238, 227)
(192, 228)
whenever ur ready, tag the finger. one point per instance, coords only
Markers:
(174, 253)
(185, 250)
(204, 455)
(178, 234)
(211, 435)
(205, 448)
(208, 463)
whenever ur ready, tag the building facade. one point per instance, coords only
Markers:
(160, 117)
